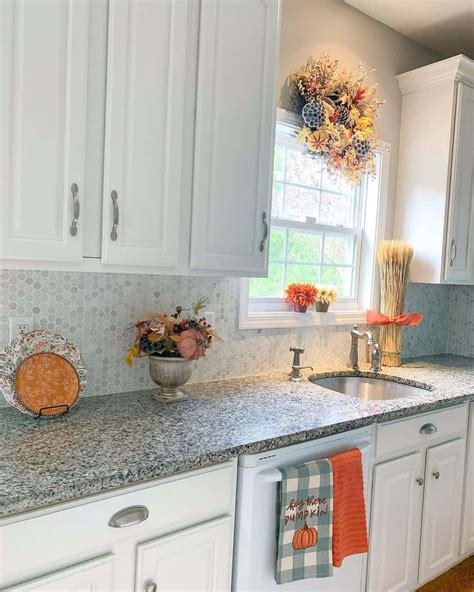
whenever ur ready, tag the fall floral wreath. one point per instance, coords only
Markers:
(338, 111)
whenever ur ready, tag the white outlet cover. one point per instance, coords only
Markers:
(209, 317)
(17, 325)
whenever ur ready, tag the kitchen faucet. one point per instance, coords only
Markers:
(354, 354)
(295, 374)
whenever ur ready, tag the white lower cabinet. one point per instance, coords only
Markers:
(196, 558)
(417, 500)
(172, 535)
(91, 576)
(442, 508)
(396, 518)
(467, 536)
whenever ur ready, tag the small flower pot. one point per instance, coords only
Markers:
(300, 307)
(322, 306)
(169, 374)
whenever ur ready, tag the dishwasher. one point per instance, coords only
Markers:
(256, 518)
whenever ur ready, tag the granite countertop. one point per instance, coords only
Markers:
(110, 441)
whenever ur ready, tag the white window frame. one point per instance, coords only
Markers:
(271, 312)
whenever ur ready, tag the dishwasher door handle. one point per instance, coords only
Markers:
(274, 475)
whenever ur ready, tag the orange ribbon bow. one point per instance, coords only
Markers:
(412, 319)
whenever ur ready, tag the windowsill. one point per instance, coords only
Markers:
(288, 319)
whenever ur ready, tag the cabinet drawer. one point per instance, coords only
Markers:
(422, 429)
(84, 531)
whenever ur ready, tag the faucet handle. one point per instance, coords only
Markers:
(297, 350)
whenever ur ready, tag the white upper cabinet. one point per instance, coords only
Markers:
(43, 68)
(459, 245)
(435, 203)
(146, 87)
(235, 122)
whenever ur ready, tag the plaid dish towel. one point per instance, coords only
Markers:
(305, 522)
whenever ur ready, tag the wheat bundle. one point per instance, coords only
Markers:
(394, 259)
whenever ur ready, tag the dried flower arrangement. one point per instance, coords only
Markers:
(301, 296)
(394, 259)
(177, 335)
(338, 112)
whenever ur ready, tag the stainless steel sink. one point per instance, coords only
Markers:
(370, 389)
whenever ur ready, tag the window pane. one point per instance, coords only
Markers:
(340, 278)
(271, 285)
(339, 249)
(277, 200)
(303, 246)
(336, 209)
(279, 162)
(303, 168)
(336, 183)
(300, 203)
(277, 243)
(302, 273)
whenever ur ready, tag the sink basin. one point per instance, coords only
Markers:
(370, 389)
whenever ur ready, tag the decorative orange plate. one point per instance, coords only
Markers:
(46, 383)
(42, 373)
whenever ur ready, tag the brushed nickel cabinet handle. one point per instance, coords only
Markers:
(428, 428)
(113, 234)
(76, 209)
(265, 232)
(435, 474)
(454, 252)
(420, 481)
(129, 517)
(151, 587)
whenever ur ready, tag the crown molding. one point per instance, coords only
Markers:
(458, 68)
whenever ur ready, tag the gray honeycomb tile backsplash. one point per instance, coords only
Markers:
(95, 311)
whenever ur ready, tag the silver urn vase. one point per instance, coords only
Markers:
(169, 374)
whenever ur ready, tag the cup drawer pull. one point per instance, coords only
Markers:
(428, 428)
(129, 517)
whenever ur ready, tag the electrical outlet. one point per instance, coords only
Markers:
(209, 317)
(18, 325)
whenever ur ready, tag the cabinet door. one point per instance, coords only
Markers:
(235, 128)
(467, 540)
(144, 131)
(197, 558)
(91, 576)
(459, 250)
(395, 524)
(442, 508)
(43, 63)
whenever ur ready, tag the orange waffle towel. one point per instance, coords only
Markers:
(349, 534)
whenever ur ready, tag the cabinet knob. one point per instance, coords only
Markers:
(265, 232)
(151, 587)
(435, 474)
(420, 481)
(129, 516)
(76, 209)
(113, 234)
(428, 428)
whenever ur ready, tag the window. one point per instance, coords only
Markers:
(323, 231)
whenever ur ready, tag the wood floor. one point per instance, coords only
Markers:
(458, 579)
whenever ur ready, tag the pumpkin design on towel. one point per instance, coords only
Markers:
(305, 537)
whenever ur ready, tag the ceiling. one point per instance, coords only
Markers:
(444, 26)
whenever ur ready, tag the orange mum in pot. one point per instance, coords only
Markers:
(301, 296)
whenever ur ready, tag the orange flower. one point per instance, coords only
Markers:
(318, 141)
(302, 294)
